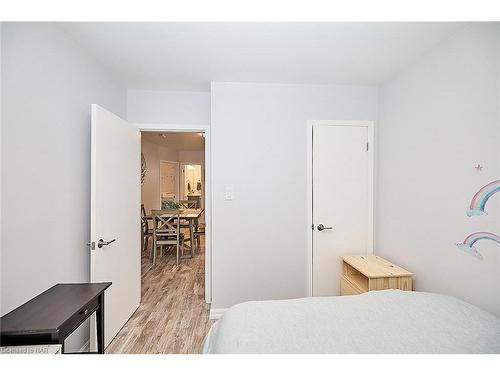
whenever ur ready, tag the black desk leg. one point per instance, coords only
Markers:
(100, 325)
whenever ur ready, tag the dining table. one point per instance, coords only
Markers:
(191, 215)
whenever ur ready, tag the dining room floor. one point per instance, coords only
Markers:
(172, 316)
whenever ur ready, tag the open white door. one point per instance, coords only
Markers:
(115, 215)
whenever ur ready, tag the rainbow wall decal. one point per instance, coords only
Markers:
(481, 197)
(471, 239)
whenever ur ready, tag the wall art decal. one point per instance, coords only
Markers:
(479, 200)
(471, 239)
(144, 168)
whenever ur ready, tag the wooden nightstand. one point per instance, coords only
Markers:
(362, 273)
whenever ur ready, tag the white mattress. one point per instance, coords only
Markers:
(390, 321)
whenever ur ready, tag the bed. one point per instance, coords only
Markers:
(388, 321)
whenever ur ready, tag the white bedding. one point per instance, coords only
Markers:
(390, 321)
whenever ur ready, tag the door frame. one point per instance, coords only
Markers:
(178, 174)
(309, 182)
(182, 164)
(196, 128)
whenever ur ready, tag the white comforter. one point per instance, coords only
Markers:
(390, 321)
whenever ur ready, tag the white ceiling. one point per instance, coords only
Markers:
(187, 56)
(185, 141)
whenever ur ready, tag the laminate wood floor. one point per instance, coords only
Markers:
(173, 315)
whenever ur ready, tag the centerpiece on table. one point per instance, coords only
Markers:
(170, 204)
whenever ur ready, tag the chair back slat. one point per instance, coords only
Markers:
(195, 200)
(166, 222)
(188, 204)
(144, 221)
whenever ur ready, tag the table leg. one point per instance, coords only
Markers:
(197, 227)
(191, 233)
(100, 325)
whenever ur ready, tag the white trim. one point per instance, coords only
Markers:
(200, 128)
(93, 188)
(309, 190)
(309, 186)
(216, 314)
(208, 189)
(85, 347)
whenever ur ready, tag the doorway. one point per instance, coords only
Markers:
(192, 184)
(191, 181)
(340, 199)
(176, 160)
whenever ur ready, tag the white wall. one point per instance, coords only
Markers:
(174, 107)
(440, 118)
(150, 188)
(259, 148)
(191, 156)
(48, 85)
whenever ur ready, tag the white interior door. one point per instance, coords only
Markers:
(115, 215)
(341, 203)
(169, 180)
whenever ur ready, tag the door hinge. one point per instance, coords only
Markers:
(367, 146)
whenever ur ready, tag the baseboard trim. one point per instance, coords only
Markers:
(85, 347)
(216, 314)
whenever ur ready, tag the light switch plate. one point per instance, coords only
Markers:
(229, 193)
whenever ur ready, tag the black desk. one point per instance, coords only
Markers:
(52, 316)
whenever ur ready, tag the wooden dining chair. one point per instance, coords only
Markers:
(185, 224)
(146, 231)
(199, 231)
(167, 232)
(188, 204)
(195, 199)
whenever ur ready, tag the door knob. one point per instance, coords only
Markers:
(321, 227)
(102, 243)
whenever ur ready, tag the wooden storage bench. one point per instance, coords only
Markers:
(362, 273)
